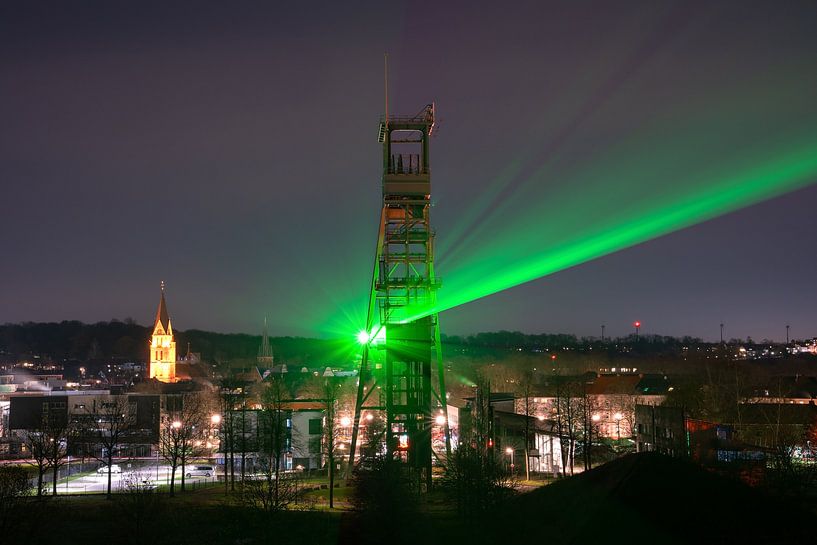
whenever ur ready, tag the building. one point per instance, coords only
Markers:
(162, 365)
(507, 432)
(87, 412)
(610, 399)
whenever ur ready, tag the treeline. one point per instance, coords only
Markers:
(128, 341)
(515, 340)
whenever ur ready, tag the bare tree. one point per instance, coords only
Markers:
(525, 389)
(275, 439)
(331, 431)
(474, 476)
(170, 448)
(232, 394)
(193, 418)
(570, 415)
(181, 431)
(36, 442)
(60, 435)
(110, 425)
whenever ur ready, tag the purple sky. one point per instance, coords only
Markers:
(229, 149)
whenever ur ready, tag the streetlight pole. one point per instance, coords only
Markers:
(509, 451)
(216, 421)
(593, 420)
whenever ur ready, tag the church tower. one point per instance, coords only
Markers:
(162, 345)
(265, 351)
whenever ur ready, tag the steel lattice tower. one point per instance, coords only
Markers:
(403, 287)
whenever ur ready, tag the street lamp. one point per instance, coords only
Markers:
(215, 420)
(509, 452)
(617, 417)
(594, 420)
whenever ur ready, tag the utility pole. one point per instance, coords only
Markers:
(602, 332)
(721, 333)
(787, 333)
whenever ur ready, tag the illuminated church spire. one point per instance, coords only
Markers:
(162, 345)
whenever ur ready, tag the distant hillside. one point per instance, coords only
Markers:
(115, 340)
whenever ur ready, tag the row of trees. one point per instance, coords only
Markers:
(98, 435)
(259, 423)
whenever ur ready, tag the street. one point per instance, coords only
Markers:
(93, 482)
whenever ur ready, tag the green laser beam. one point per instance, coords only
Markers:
(509, 267)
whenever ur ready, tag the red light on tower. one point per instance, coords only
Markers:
(553, 357)
(637, 325)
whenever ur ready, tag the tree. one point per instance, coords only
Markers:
(170, 448)
(570, 416)
(14, 488)
(110, 423)
(474, 477)
(48, 445)
(331, 432)
(525, 389)
(180, 437)
(36, 442)
(275, 440)
(233, 400)
(60, 435)
(194, 423)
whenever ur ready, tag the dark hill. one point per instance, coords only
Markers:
(650, 498)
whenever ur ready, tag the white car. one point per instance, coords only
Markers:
(200, 471)
(114, 469)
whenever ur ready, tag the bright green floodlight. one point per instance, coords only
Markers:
(363, 337)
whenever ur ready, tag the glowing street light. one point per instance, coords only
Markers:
(345, 421)
(617, 417)
(509, 452)
(176, 424)
(439, 420)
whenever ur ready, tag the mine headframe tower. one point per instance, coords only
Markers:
(400, 323)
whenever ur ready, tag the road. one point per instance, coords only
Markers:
(94, 482)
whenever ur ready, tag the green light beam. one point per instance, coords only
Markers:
(503, 268)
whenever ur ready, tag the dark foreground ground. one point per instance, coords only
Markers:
(636, 499)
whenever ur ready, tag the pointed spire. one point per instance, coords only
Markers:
(265, 351)
(161, 313)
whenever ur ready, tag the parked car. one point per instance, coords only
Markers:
(200, 471)
(114, 469)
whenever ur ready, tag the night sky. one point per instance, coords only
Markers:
(230, 149)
